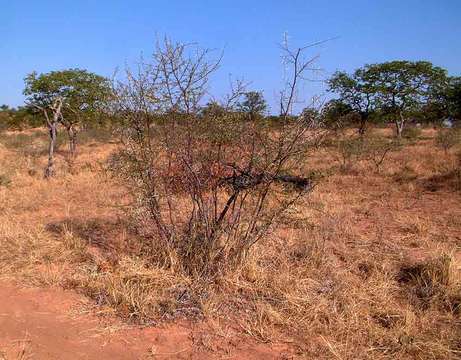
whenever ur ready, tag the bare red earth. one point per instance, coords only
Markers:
(39, 324)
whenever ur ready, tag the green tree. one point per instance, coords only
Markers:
(358, 92)
(404, 87)
(335, 113)
(445, 99)
(454, 97)
(253, 104)
(70, 98)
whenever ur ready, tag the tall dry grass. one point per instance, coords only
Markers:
(367, 268)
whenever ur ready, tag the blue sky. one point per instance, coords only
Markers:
(101, 35)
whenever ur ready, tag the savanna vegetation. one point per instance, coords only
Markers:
(331, 232)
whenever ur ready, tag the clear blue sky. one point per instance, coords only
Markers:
(100, 35)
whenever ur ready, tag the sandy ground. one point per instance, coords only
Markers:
(42, 324)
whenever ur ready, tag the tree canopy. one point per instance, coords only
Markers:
(68, 97)
(80, 91)
(396, 88)
(454, 97)
(253, 104)
(357, 91)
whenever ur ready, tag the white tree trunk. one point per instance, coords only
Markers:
(399, 124)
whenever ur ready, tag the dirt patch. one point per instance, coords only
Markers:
(42, 324)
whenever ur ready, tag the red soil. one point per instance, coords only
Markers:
(39, 324)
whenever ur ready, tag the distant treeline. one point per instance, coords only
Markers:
(395, 92)
(19, 118)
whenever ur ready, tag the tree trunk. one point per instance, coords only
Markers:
(399, 123)
(72, 133)
(49, 170)
(53, 130)
(363, 124)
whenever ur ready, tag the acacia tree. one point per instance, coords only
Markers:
(70, 98)
(253, 104)
(403, 87)
(358, 91)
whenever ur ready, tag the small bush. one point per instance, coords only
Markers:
(447, 138)
(206, 189)
(231, 188)
(350, 150)
(376, 148)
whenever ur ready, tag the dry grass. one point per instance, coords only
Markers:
(18, 350)
(367, 268)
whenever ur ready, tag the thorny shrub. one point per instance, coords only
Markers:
(205, 188)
